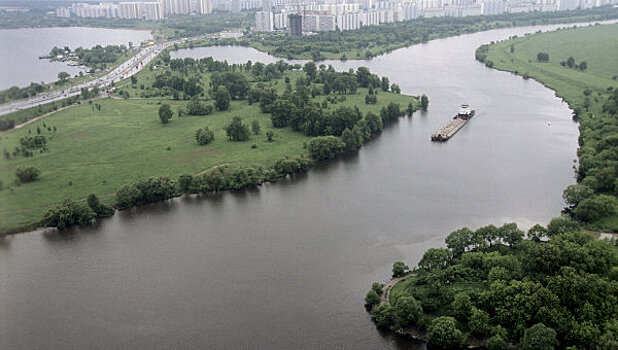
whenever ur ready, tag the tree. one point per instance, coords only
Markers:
(133, 79)
(408, 310)
(424, 102)
(542, 57)
(377, 287)
(384, 84)
(325, 147)
(537, 232)
(184, 182)
(101, 210)
(204, 136)
(236, 130)
(222, 99)
(435, 258)
(479, 322)
(583, 65)
(165, 113)
(459, 240)
(371, 99)
(350, 140)
(443, 333)
(383, 315)
(561, 225)
(255, 127)
(574, 194)
(496, 342)
(489, 233)
(570, 62)
(594, 208)
(269, 135)
(539, 337)
(63, 76)
(197, 107)
(462, 306)
(67, 214)
(511, 234)
(26, 173)
(395, 88)
(410, 109)
(372, 298)
(310, 69)
(399, 269)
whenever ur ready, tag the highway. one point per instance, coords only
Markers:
(125, 70)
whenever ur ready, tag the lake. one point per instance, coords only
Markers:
(20, 65)
(287, 265)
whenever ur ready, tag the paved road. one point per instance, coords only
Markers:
(125, 70)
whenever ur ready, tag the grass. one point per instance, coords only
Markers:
(594, 44)
(97, 152)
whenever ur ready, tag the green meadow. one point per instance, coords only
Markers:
(98, 151)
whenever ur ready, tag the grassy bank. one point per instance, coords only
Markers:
(586, 87)
(99, 150)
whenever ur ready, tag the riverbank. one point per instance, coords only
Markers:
(100, 146)
(580, 67)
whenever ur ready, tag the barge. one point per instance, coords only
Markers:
(461, 118)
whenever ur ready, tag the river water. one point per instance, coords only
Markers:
(20, 64)
(287, 265)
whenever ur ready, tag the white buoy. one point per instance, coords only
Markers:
(548, 123)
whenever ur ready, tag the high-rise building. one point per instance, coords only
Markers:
(295, 25)
(264, 21)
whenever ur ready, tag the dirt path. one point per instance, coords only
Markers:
(386, 288)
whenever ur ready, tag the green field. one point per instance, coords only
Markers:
(586, 91)
(97, 152)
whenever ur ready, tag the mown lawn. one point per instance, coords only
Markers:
(97, 152)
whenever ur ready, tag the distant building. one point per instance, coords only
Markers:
(63, 12)
(295, 25)
(264, 21)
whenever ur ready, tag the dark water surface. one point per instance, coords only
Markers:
(287, 265)
(20, 64)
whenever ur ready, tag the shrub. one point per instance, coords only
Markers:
(67, 214)
(236, 130)
(100, 210)
(204, 136)
(26, 173)
(325, 147)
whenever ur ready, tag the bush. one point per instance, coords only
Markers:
(204, 136)
(67, 214)
(26, 173)
(595, 207)
(196, 107)
(146, 191)
(222, 98)
(325, 147)
(496, 342)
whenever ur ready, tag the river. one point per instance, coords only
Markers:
(287, 265)
(20, 64)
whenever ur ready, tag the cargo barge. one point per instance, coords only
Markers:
(463, 115)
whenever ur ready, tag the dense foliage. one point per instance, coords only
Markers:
(541, 292)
